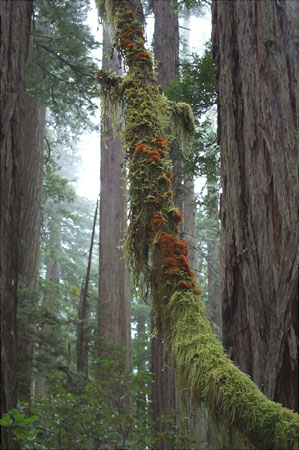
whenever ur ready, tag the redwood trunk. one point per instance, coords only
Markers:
(256, 54)
(15, 32)
(114, 299)
(166, 46)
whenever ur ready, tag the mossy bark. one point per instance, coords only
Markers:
(204, 371)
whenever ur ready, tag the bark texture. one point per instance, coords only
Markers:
(256, 54)
(114, 298)
(166, 47)
(31, 190)
(15, 32)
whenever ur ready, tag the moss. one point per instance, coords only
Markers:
(182, 122)
(160, 259)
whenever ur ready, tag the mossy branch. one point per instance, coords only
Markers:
(156, 253)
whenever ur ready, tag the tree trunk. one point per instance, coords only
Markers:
(31, 187)
(166, 47)
(214, 287)
(114, 295)
(256, 54)
(83, 311)
(15, 32)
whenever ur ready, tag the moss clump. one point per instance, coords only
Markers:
(160, 258)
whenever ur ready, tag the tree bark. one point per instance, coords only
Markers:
(15, 33)
(114, 295)
(256, 54)
(166, 47)
(33, 136)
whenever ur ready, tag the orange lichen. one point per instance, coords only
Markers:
(131, 45)
(178, 216)
(161, 143)
(161, 152)
(168, 181)
(157, 220)
(153, 156)
(153, 159)
(198, 292)
(140, 147)
(168, 174)
(170, 262)
(125, 43)
(181, 248)
(143, 55)
(183, 261)
(191, 273)
(183, 284)
(172, 270)
(169, 193)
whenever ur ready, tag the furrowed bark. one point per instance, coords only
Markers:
(256, 54)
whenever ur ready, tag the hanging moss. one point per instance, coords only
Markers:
(160, 259)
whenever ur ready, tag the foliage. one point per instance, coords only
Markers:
(86, 418)
(196, 83)
(19, 425)
(62, 68)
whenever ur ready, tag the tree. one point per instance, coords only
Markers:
(257, 127)
(161, 257)
(15, 40)
(114, 296)
(166, 50)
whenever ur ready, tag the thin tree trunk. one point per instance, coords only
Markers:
(256, 54)
(83, 311)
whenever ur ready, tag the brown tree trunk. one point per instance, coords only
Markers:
(31, 188)
(256, 54)
(15, 32)
(166, 46)
(114, 295)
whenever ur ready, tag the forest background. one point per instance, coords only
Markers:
(74, 374)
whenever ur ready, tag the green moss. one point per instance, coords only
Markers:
(182, 122)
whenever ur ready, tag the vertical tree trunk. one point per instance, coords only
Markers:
(15, 31)
(166, 46)
(256, 54)
(214, 288)
(83, 311)
(31, 188)
(114, 295)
